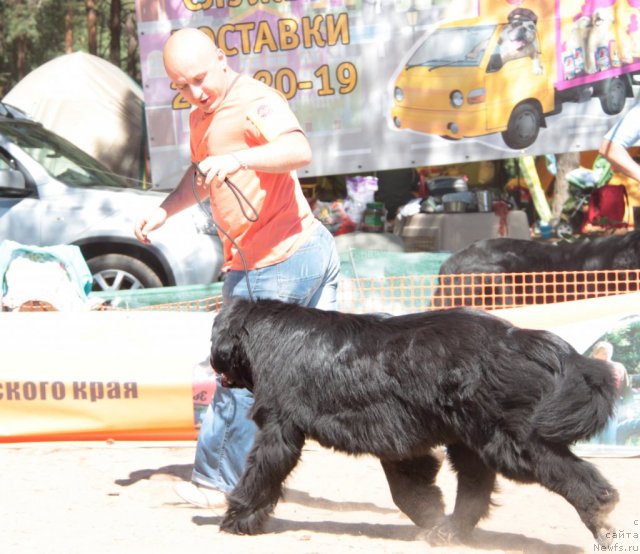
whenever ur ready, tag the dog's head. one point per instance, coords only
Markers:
(520, 32)
(521, 28)
(228, 338)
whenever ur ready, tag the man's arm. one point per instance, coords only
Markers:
(182, 197)
(285, 153)
(620, 159)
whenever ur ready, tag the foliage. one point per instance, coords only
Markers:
(35, 29)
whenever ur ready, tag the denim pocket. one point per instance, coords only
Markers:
(305, 272)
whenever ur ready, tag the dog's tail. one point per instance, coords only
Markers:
(583, 396)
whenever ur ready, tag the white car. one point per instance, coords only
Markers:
(51, 192)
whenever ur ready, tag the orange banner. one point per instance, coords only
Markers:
(100, 375)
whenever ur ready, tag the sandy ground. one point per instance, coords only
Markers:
(73, 498)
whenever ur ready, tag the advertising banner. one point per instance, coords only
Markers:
(145, 375)
(101, 375)
(386, 84)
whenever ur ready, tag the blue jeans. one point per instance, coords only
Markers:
(310, 278)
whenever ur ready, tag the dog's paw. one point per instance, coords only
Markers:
(244, 523)
(241, 526)
(442, 534)
(604, 537)
(601, 528)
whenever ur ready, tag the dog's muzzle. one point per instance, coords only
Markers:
(225, 381)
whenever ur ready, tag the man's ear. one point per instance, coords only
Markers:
(222, 57)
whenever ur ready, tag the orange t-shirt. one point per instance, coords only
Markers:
(252, 114)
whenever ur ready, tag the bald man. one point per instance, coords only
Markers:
(246, 144)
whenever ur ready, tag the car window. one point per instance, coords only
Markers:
(5, 164)
(12, 181)
(455, 46)
(61, 159)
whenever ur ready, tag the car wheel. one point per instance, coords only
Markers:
(112, 272)
(613, 97)
(523, 127)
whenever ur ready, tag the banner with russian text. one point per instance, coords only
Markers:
(389, 84)
(102, 375)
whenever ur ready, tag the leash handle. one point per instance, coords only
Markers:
(240, 196)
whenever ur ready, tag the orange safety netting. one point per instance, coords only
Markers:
(482, 290)
(500, 290)
(208, 304)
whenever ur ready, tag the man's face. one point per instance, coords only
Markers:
(199, 78)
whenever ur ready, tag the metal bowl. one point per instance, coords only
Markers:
(455, 206)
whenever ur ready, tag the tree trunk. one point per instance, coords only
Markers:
(132, 47)
(92, 31)
(115, 30)
(68, 28)
(564, 163)
(21, 57)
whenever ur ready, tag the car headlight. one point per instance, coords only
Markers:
(398, 94)
(456, 98)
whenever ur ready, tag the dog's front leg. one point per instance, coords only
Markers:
(413, 488)
(275, 453)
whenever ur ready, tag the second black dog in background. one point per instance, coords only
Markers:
(507, 255)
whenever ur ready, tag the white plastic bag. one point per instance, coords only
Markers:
(360, 190)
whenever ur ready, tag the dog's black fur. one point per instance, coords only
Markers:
(501, 399)
(508, 255)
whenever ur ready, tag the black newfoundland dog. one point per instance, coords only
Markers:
(512, 256)
(501, 399)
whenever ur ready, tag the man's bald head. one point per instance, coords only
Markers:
(197, 68)
(186, 46)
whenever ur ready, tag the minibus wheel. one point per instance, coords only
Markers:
(523, 127)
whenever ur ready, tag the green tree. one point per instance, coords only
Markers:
(33, 32)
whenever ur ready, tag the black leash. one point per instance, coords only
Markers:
(240, 197)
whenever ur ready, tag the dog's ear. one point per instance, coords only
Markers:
(222, 353)
(224, 338)
(228, 356)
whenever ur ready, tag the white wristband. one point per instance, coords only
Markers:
(243, 165)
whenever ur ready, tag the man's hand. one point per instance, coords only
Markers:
(215, 169)
(148, 223)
